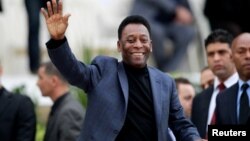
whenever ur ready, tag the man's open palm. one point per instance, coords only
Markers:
(56, 22)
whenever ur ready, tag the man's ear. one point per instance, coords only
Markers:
(151, 47)
(231, 55)
(54, 80)
(119, 46)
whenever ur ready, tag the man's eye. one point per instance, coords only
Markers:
(144, 41)
(130, 40)
(210, 54)
(241, 51)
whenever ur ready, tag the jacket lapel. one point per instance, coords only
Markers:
(157, 96)
(123, 81)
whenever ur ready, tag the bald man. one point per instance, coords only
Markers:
(232, 102)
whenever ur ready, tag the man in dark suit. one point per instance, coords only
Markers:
(67, 114)
(127, 100)
(17, 116)
(231, 101)
(219, 58)
(170, 20)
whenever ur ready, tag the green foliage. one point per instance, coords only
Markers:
(19, 89)
(40, 131)
(79, 94)
(87, 55)
(22, 90)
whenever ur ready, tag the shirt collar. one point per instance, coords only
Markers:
(229, 82)
(57, 103)
(241, 82)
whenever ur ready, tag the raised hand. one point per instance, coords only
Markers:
(57, 23)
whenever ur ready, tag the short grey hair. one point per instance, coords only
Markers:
(51, 69)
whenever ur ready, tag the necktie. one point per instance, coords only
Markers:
(221, 87)
(244, 104)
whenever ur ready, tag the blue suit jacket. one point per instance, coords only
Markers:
(106, 85)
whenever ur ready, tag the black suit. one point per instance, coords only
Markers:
(200, 109)
(17, 117)
(226, 106)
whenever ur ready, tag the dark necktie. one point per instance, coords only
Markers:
(244, 104)
(221, 87)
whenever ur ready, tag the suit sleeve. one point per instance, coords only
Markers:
(76, 72)
(26, 120)
(182, 127)
(71, 123)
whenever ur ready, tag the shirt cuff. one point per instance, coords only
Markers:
(53, 44)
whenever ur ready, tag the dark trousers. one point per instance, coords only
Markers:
(1, 9)
(33, 12)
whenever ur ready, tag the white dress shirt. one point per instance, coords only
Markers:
(228, 83)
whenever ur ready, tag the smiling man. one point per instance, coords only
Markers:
(127, 100)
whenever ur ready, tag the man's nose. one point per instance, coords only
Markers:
(138, 43)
